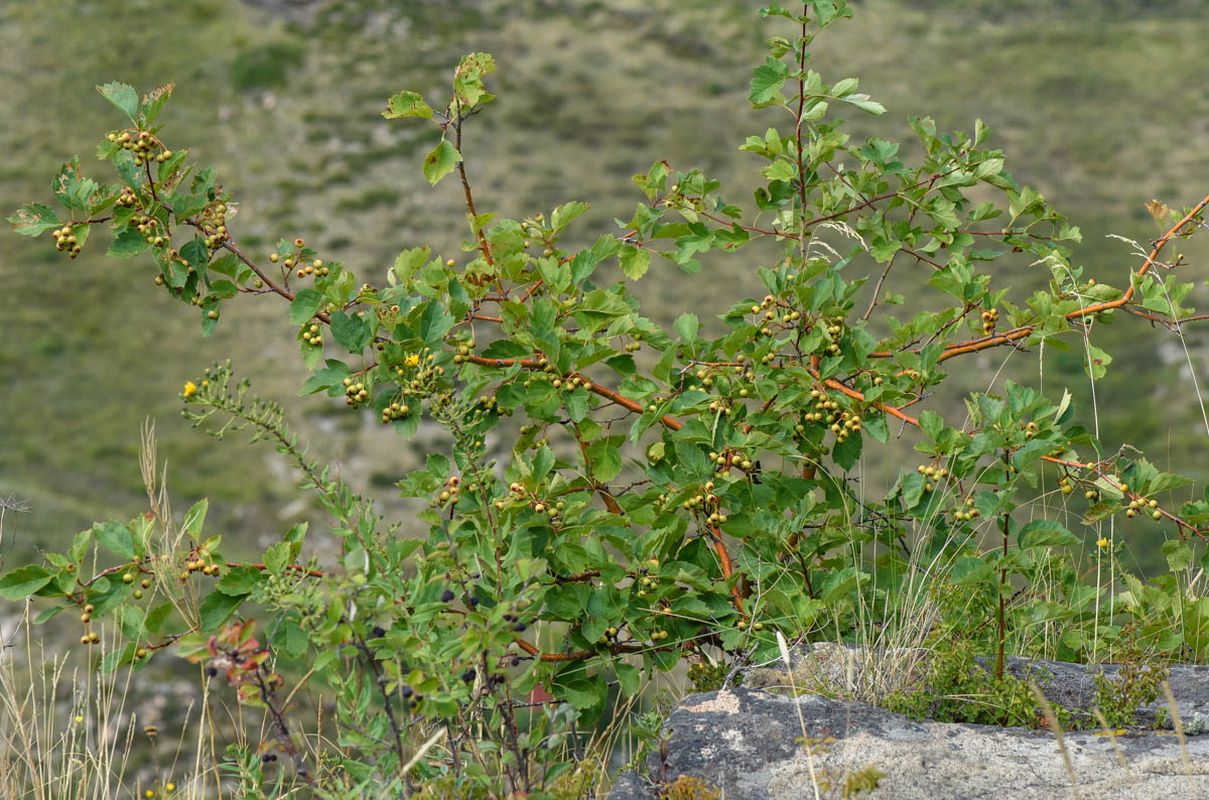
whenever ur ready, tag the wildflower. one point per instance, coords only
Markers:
(412, 360)
(1102, 543)
(190, 388)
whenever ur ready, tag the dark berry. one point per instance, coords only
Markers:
(447, 595)
(468, 676)
(378, 631)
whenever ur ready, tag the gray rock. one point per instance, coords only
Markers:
(851, 673)
(748, 744)
(631, 787)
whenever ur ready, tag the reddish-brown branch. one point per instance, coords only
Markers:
(726, 565)
(668, 421)
(961, 348)
(467, 194)
(576, 655)
(1023, 331)
(310, 573)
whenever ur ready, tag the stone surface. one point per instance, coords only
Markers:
(845, 672)
(748, 743)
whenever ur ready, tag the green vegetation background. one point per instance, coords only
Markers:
(1100, 104)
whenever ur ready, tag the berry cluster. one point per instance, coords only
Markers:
(129, 579)
(213, 220)
(298, 258)
(728, 459)
(311, 334)
(127, 198)
(89, 637)
(464, 351)
(647, 583)
(931, 475)
(199, 565)
(1139, 504)
(449, 496)
(828, 412)
(968, 513)
(989, 320)
(66, 241)
(552, 510)
(306, 268)
(143, 145)
(355, 392)
(568, 382)
(835, 329)
(395, 411)
(571, 382)
(418, 377)
(149, 228)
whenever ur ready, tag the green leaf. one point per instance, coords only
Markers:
(240, 581)
(863, 102)
(23, 582)
(305, 305)
(1179, 555)
(876, 428)
(766, 83)
(187, 204)
(687, 326)
(564, 214)
(195, 518)
(34, 218)
(468, 81)
(634, 262)
(47, 614)
(123, 96)
(1096, 362)
(70, 189)
(156, 617)
(440, 162)
(845, 87)
(351, 331)
(154, 101)
(127, 244)
(330, 377)
(115, 537)
(215, 609)
(1046, 533)
(847, 452)
(605, 457)
(628, 678)
(581, 692)
(409, 262)
(407, 104)
(780, 170)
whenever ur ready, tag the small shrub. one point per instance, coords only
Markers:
(665, 493)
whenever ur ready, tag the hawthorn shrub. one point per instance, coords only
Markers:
(664, 495)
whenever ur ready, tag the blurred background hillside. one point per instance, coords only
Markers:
(1100, 104)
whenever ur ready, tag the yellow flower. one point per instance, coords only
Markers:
(412, 360)
(1102, 543)
(190, 388)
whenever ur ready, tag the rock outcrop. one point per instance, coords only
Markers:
(747, 744)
